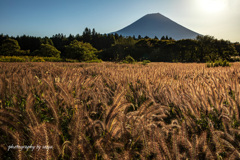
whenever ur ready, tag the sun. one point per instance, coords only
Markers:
(213, 6)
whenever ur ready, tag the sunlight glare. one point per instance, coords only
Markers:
(213, 6)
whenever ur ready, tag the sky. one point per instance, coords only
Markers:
(218, 18)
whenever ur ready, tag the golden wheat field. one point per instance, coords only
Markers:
(165, 111)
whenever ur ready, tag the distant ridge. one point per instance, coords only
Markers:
(155, 24)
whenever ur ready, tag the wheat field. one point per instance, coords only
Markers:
(167, 111)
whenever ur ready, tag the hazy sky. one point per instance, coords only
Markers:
(218, 18)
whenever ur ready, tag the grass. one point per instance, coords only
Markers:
(218, 63)
(38, 59)
(115, 111)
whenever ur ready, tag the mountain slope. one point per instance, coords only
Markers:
(152, 25)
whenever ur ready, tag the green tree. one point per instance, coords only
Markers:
(59, 41)
(47, 50)
(30, 43)
(81, 51)
(47, 40)
(211, 49)
(87, 35)
(237, 47)
(225, 49)
(139, 37)
(129, 59)
(10, 47)
(121, 48)
(186, 50)
(207, 50)
(163, 38)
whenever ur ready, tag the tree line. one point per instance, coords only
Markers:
(113, 47)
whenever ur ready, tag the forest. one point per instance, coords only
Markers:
(93, 46)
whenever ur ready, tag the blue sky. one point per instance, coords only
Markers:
(219, 18)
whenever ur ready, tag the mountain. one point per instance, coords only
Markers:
(152, 25)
